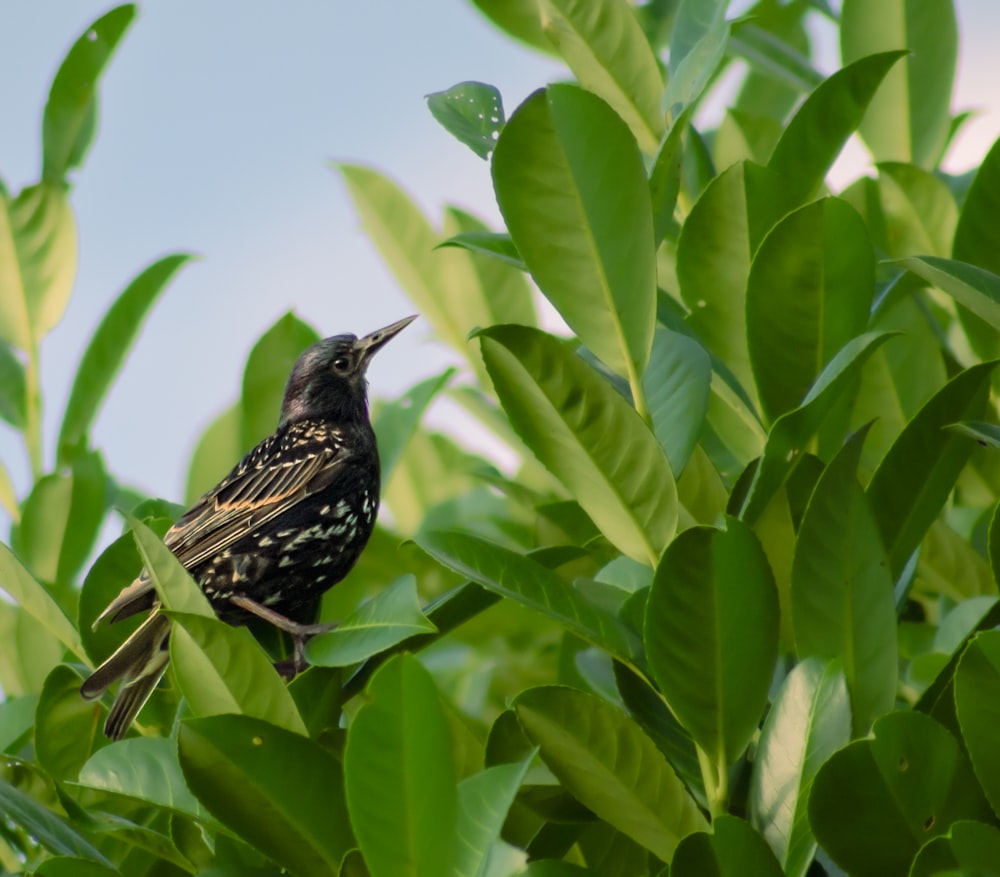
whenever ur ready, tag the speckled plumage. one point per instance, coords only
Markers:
(282, 528)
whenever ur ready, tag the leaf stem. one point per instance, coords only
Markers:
(716, 780)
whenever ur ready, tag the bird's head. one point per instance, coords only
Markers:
(328, 380)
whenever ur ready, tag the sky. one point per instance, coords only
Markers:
(217, 125)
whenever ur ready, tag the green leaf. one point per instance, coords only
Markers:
(399, 775)
(67, 731)
(724, 228)
(910, 116)
(144, 768)
(984, 433)
(37, 263)
(72, 866)
(483, 802)
(587, 435)
(390, 617)
(809, 720)
(665, 178)
(279, 792)
(266, 374)
(32, 598)
(17, 718)
(732, 849)
(527, 582)
(969, 848)
(49, 830)
(175, 588)
(977, 682)
(107, 350)
(977, 237)
(711, 634)
(905, 506)
(699, 65)
(771, 56)
(604, 46)
(919, 211)
(396, 421)
(472, 112)
(693, 19)
(792, 431)
(495, 245)
(577, 206)
(13, 387)
(217, 451)
(519, 19)
(905, 786)
(842, 590)
(8, 496)
(971, 286)
(609, 766)
(818, 131)
(809, 292)
(677, 383)
(71, 112)
(223, 669)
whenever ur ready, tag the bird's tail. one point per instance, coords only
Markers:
(139, 662)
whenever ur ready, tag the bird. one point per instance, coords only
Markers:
(283, 527)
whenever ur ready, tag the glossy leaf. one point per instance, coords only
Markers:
(905, 506)
(609, 765)
(174, 586)
(968, 848)
(32, 598)
(809, 292)
(527, 582)
(390, 617)
(144, 768)
(977, 682)
(711, 634)
(578, 210)
(590, 438)
(909, 117)
(905, 786)
(266, 374)
(519, 19)
(677, 383)
(731, 849)
(809, 720)
(971, 286)
(399, 775)
(918, 209)
(604, 46)
(818, 131)
(52, 832)
(472, 112)
(281, 793)
(222, 669)
(792, 431)
(71, 112)
(108, 348)
(483, 802)
(66, 729)
(842, 590)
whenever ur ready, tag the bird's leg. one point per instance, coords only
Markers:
(297, 631)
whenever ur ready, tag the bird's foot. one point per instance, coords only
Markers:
(300, 634)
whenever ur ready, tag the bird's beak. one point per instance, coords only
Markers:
(374, 342)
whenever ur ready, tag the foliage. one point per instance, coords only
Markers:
(731, 609)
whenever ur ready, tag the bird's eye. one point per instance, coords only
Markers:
(342, 363)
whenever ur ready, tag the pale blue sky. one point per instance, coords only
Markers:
(217, 120)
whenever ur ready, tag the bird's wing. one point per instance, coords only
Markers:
(253, 493)
(247, 499)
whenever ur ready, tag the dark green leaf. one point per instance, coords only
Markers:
(13, 392)
(711, 635)
(521, 579)
(977, 685)
(67, 731)
(609, 765)
(970, 848)
(281, 793)
(472, 112)
(399, 774)
(107, 350)
(578, 209)
(732, 849)
(905, 786)
(905, 505)
(71, 112)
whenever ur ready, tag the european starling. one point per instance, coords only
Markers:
(282, 528)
